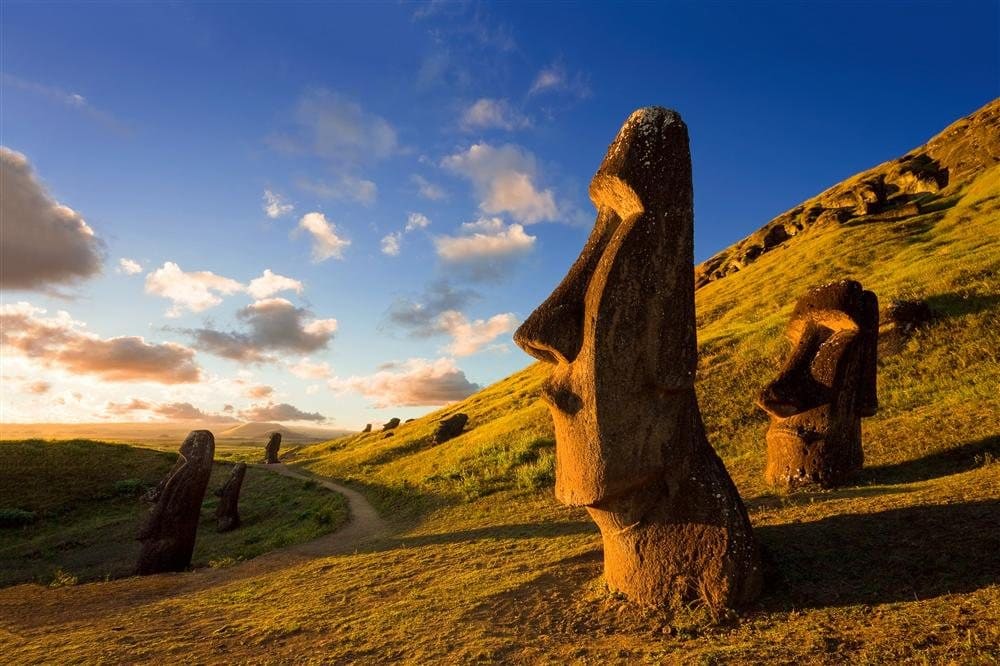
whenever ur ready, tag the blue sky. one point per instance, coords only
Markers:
(429, 165)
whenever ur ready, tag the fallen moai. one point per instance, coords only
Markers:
(450, 428)
(392, 424)
(228, 512)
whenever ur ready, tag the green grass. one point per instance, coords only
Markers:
(83, 497)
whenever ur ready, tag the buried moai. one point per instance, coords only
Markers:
(271, 448)
(824, 388)
(619, 332)
(228, 512)
(450, 428)
(168, 531)
(391, 424)
(368, 428)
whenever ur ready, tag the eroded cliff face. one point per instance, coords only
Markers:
(912, 185)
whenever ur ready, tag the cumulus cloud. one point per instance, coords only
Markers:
(45, 244)
(504, 179)
(272, 325)
(427, 189)
(129, 266)
(275, 205)
(60, 341)
(484, 249)
(38, 387)
(269, 284)
(416, 221)
(390, 244)
(326, 242)
(279, 412)
(125, 408)
(486, 113)
(555, 78)
(167, 411)
(469, 337)
(416, 382)
(420, 315)
(259, 391)
(195, 291)
(307, 369)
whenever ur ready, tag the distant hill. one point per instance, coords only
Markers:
(262, 430)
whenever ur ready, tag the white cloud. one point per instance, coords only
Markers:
(416, 221)
(45, 244)
(390, 244)
(555, 78)
(280, 412)
(269, 284)
(485, 239)
(73, 100)
(427, 189)
(345, 187)
(275, 205)
(469, 337)
(486, 113)
(306, 369)
(129, 266)
(504, 179)
(326, 242)
(417, 382)
(196, 291)
(338, 129)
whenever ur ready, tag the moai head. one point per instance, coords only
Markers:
(620, 328)
(619, 332)
(826, 385)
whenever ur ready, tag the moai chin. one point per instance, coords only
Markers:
(271, 448)
(619, 331)
(826, 385)
(169, 530)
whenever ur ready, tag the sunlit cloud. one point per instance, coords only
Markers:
(194, 292)
(486, 113)
(504, 179)
(129, 266)
(62, 342)
(416, 382)
(416, 221)
(419, 315)
(554, 78)
(390, 244)
(345, 187)
(326, 243)
(259, 391)
(39, 387)
(428, 190)
(275, 205)
(270, 283)
(484, 248)
(470, 337)
(307, 369)
(279, 412)
(45, 244)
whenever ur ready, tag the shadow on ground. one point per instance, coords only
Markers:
(942, 463)
(519, 531)
(904, 554)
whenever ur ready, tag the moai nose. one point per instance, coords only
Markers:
(553, 333)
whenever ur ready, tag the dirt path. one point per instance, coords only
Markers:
(363, 523)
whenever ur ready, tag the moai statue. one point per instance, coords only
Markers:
(619, 331)
(391, 424)
(450, 428)
(368, 428)
(271, 449)
(826, 385)
(169, 530)
(228, 512)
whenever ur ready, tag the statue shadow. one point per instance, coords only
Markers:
(955, 460)
(499, 532)
(904, 554)
(956, 305)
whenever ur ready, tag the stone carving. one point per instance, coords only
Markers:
(826, 385)
(228, 512)
(368, 428)
(391, 425)
(168, 532)
(271, 448)
(619, 331)
(450, 428)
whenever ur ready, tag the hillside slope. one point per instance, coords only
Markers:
(900, 567)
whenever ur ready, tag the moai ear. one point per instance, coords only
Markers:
(867, 387)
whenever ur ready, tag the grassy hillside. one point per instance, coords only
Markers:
(903, 566)
(72, 511)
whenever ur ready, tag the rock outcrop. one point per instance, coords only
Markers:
(368, 428)
(271, 448)
(169, 529)
(227, 514)
(450, 428)
(619, 331)
(826, 385)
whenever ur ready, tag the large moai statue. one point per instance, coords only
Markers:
(619, 331)
(169, 530)
(271, 448)
(826, 385)
(228, 512)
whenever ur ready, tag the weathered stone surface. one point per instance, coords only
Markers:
(168, 531)
(368, 428)
(450, 428)
(271, 448)
(392, 424)
(619, 332)
(826, 385)
(228, 512)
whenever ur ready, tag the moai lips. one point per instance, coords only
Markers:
(826, 385)
(619, 331)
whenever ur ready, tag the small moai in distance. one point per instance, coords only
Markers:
(271, 448)
(168, 531)
(450, 428)
(619, 332)
(228, 512)
(392, 424)
(368, 428)
(826, 385)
